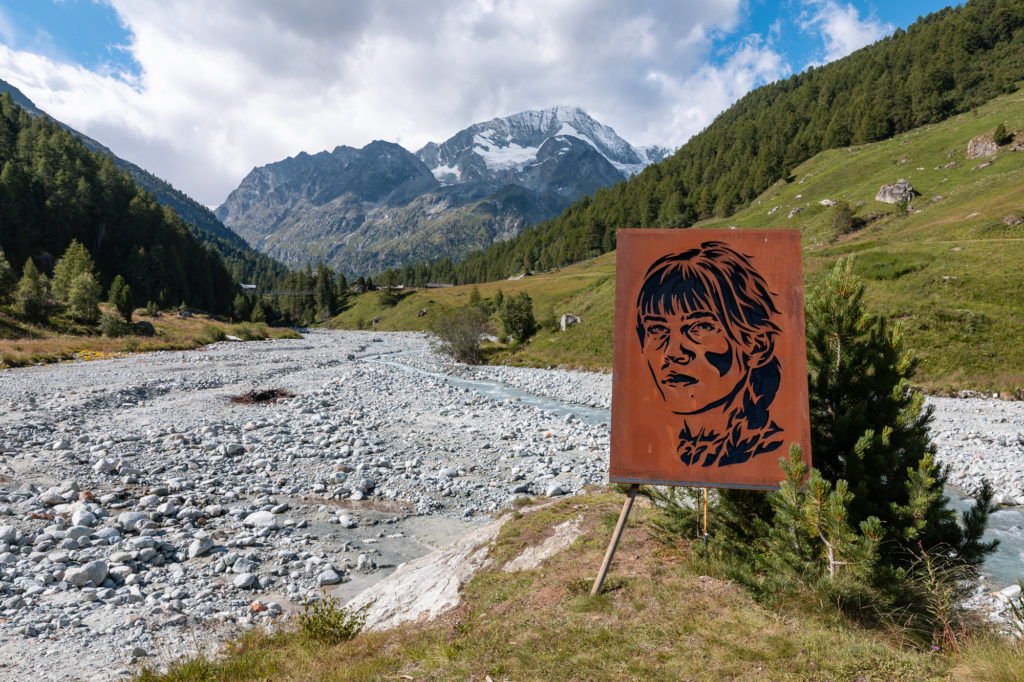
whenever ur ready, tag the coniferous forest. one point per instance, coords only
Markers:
(944, 64)
(53, 190)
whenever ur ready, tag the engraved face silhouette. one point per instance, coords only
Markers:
(691, 357)
(704, 319)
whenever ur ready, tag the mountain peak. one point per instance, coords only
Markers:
(502, 148)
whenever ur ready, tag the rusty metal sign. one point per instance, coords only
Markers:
(709, 384)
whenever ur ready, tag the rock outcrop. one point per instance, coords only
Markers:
(981, 145)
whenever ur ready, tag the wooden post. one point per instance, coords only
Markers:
(623, 515)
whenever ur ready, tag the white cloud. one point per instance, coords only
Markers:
(842, 29)
(230, 85)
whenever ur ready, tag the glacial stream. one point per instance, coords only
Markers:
(1006, 525)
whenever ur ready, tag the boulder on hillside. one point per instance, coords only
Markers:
(901, 190)
(567, 320)
(981, 145)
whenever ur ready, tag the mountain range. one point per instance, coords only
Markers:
(366, 210)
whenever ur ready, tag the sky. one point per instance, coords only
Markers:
(200, 92)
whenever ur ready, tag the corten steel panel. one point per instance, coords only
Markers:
(709, 384)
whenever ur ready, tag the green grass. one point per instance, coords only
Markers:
(951, 272)
(664, 614)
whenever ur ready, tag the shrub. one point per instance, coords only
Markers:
(210, 334)
(152, 310)
(1000, 136)
(112, 325)
(250, 332)
(458, 333)
(325, 621)
(843, 220)
(517, 317)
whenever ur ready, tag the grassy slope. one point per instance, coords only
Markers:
(951, 272)
(665, 614)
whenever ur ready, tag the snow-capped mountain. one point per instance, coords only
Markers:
(504, 148)
(364, 210)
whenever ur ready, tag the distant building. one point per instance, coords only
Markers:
(248, 287)
(433, 285)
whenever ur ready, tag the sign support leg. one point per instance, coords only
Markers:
(623, 515)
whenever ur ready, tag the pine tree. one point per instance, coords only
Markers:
(32, 293)
(84, 297)
(8, 280)
(120, 298)
(870, 427)
(75, 261)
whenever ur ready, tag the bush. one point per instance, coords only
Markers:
(152, 310)
(325, 621)
(458, 333)
(843, 220)
(211, 334)
(1000, 136)
(112, 325)
(250, 332)
(517, 317)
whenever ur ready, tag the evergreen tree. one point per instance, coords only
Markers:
(84, 297)
(241, 307)
(258, 315)
(120, 298)
(75, 261)
(31, 298)
(1000, 136)
(517, 317)
(870, 427)
(8, 280)
(499, 300)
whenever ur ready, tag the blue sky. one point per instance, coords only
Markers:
(200, 92)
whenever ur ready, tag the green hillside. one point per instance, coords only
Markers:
(951, 270)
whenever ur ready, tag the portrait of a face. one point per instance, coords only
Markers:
(705, 323)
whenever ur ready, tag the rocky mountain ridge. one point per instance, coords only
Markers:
(365, 210)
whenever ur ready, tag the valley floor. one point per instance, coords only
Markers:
(144, 515)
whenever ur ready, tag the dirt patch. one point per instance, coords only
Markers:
(261, 397)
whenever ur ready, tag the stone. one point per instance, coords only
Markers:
(199, 547)
(8, 534)
(347, 521)
(94, 572)
(567, 320)
(901, 190)
(244, 581)
(328, 577)
(981, 146)
(261, 519)
(129, 519)
(554, 490)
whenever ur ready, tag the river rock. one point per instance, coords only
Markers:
(261, 519)
(80, 576)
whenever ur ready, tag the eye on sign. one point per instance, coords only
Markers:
(709, 384)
